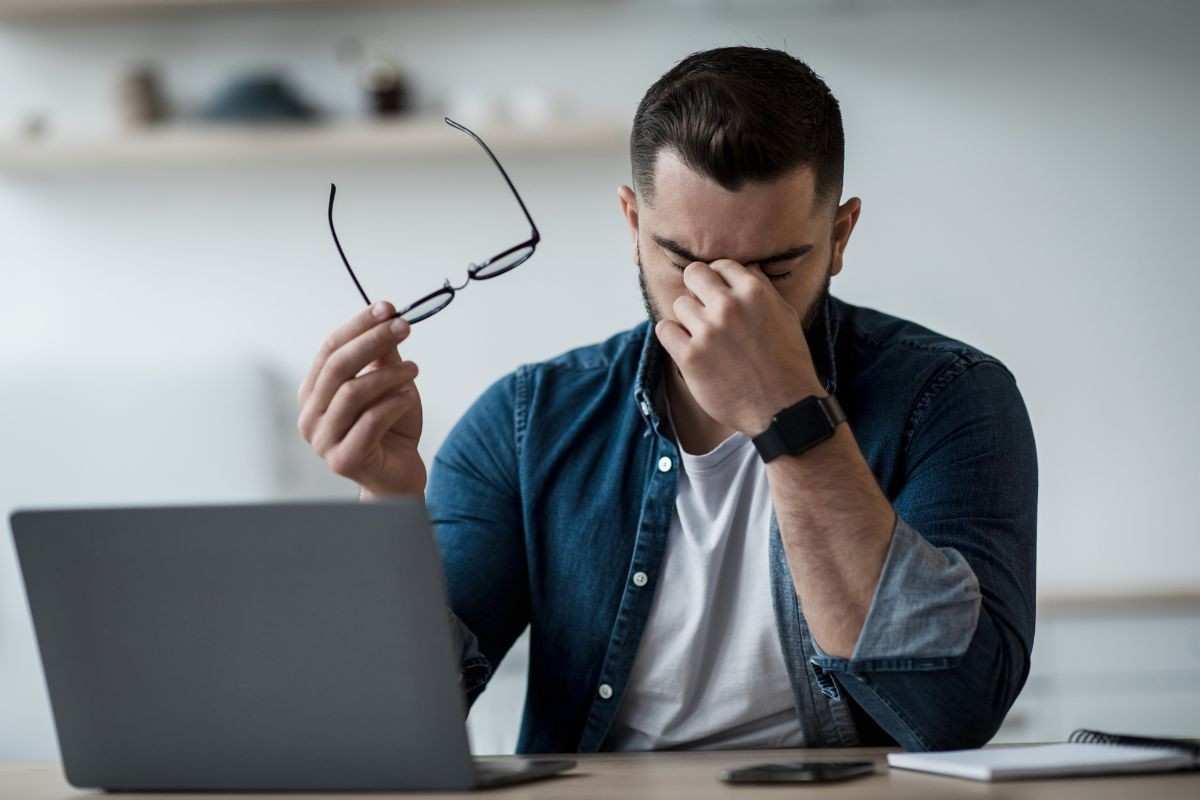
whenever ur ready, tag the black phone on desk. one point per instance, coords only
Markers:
(799, 772)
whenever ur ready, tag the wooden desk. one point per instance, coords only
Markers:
(693, 776)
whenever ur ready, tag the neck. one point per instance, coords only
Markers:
(695, 430)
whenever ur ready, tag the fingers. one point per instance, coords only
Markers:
(689, 312)
(702, 281)
(673, 337)
(738, 276)
(357, 395)
(351, 454)
(377, 343)
(364, 320)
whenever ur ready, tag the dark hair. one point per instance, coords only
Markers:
(739, 114)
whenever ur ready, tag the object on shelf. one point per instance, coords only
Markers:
(264, 97)
(141, 98)
(384, 83)
(529, 107)
(475, 107)
(537, 107)
(34, 126)
(387, 88)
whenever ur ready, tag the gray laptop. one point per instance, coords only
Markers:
(301, 646)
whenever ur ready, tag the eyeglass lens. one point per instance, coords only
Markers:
(426, 307)
(503, 263)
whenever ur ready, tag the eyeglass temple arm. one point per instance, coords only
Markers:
(536, 235)
(341, 252)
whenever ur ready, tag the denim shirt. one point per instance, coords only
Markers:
(558, 485)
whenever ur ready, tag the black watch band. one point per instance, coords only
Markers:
(800, 427)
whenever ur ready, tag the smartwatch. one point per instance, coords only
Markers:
(800, 427)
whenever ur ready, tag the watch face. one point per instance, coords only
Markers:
(799, 427)
(804, 425)
(809, 422)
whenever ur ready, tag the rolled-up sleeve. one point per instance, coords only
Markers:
(945, 645)
(925, 607)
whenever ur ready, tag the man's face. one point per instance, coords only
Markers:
(779, 227)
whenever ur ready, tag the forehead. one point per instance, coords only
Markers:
(713, 222)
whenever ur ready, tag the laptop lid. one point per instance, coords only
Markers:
(253, 646)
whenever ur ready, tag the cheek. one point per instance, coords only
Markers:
(808, 284)
(665, 285)
(802, 288)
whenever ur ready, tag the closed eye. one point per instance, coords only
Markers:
(775, 276)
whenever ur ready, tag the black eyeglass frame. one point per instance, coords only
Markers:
(473, 270)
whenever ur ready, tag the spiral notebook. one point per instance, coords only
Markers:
(1087, 752)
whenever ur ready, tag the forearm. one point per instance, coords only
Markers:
(944, 646)
(836, 525)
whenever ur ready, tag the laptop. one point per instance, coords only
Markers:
(284, 646)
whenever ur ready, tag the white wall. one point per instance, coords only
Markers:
(1028, 171)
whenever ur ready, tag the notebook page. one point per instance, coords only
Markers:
(1043, 760)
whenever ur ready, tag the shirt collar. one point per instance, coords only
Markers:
(822, 337)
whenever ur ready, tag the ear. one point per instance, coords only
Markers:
(844, 220)
(629, 210)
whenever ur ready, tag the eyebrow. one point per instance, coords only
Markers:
(681, 251)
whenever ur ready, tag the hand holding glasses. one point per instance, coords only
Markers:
(497, 265)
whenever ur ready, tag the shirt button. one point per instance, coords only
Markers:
(605, 691)
(664, 464)
(640, 579)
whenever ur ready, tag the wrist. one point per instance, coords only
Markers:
(366, 495)
(410, 483)
(800, 427)
(766, 415)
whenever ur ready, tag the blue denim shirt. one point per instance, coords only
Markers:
(558, 485)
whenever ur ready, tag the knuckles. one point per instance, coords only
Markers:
(687, 358)
(328, 347)
(354, 391)
(702, 339)
(305, 428)
(342, 462)
(338, 363)
(372, 414)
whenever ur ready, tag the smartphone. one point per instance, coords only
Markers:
(800, 772)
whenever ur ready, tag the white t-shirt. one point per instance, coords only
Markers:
(709, 671)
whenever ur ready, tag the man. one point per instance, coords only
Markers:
(706, 553)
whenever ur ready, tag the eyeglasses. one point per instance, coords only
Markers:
(502, 262)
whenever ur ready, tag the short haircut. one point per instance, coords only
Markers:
(738, 114)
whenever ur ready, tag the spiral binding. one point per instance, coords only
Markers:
(1088, 736)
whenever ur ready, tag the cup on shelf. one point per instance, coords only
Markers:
(537, 106)
(530, 107)
(475, 107)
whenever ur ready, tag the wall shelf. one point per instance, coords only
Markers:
(223, 144)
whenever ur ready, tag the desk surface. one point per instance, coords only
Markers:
(693, 776)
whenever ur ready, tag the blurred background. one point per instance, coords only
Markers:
(1029, 175)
